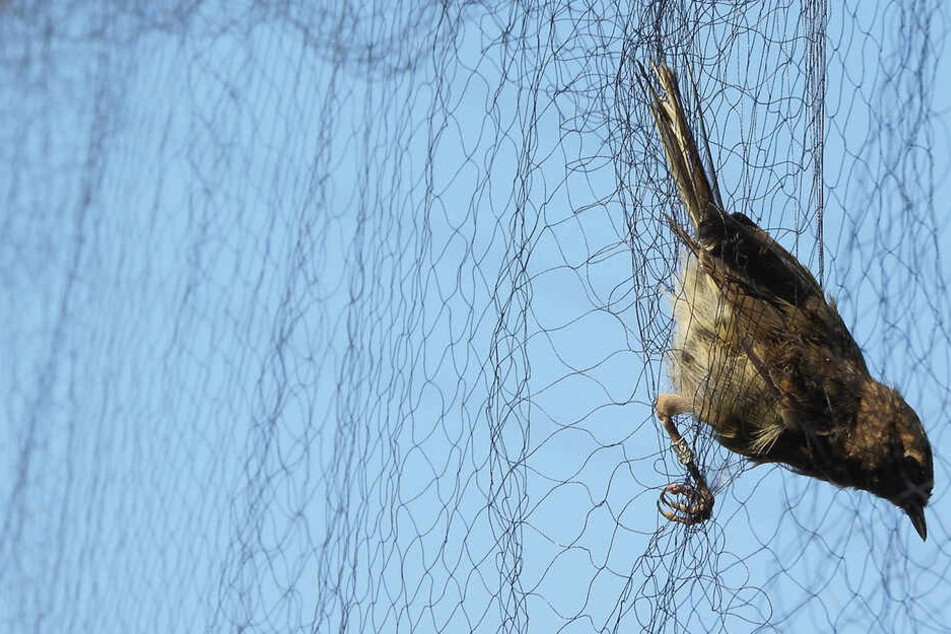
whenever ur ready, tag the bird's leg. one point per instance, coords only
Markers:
(699, 499)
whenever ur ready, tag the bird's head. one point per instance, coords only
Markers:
(902, 470)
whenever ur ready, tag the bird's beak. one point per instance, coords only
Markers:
(917, 515)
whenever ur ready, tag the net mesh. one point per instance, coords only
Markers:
(350, 316)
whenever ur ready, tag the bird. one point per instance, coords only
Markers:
(762, 357)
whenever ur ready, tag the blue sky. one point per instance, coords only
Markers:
(295, 343)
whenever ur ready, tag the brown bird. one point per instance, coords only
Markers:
(764, 359)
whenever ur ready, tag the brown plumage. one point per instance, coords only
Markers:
(765, 360)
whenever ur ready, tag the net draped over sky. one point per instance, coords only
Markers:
(349, 317)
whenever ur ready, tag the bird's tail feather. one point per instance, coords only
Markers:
(699, 196)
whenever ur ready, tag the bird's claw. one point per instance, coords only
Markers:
(696, 508)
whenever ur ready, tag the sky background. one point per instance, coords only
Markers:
(351, 318)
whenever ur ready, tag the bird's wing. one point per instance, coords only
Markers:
(795, 338)
(783, 301)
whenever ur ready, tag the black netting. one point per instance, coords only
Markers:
(349, 317)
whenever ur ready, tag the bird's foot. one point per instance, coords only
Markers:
(685, 503)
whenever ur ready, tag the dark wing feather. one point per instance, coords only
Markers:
(797, 340)
(753, 255)
(769, 273)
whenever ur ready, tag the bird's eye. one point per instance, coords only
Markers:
(913, 469)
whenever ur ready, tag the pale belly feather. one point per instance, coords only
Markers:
(710, 365)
